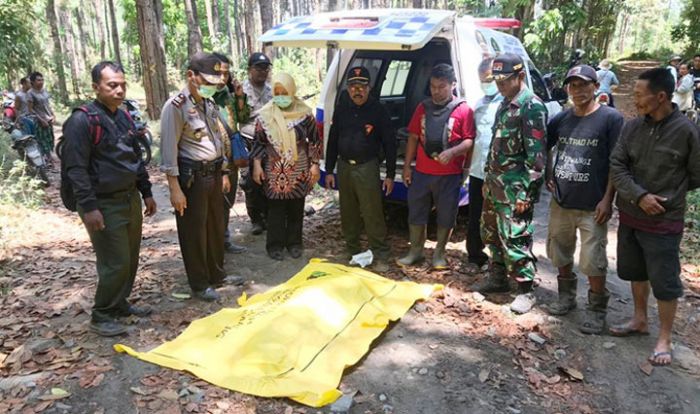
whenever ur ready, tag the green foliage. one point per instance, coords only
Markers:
(300, 64)
(18, 41)
(688, 29)
(19, 188)
(690, 249)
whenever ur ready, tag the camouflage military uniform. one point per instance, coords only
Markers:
(514, 171)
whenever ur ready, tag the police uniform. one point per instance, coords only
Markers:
(192, 148)
(514, 171)
(357, 136)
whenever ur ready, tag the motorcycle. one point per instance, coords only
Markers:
(143, 134)
(28, 149)
(603, 98)
(9, 115)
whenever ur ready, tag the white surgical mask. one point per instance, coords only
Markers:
(489, 88)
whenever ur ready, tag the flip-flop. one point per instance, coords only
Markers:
(625, 330)
(652, 358)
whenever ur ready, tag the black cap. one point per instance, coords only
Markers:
(584, 72)
(209, 66)
(358, 74)
(506, 65)
(258, 58)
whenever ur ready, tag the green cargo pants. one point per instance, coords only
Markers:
(117, 249)
(361, 204)
(509, 238)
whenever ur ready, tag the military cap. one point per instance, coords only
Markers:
(506, 65)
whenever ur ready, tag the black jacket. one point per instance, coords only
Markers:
(360, 133)
(661, 158)
(111, 166)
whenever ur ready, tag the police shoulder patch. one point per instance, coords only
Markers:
(178, 100)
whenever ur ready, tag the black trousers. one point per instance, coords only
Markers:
(201, 232)
(475, 246)
(285, 220)
(255, 200)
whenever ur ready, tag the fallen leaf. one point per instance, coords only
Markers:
(138, 390)
(181, 295)
(646, 367)
(553, 379)
(168, 395)
(572, 373)
(484, 375)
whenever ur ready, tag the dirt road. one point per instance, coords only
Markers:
(456, 353)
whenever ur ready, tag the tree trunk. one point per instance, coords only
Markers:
(250, 33)
(215, 17)
(115, 33)
(100, 40)
(210, 20)
(57, 52)
(110, 54)
(69, 43)
(149, 19)
(194, 34)
(229, 32)
(266, 18)
(240, 44)
(84, 40)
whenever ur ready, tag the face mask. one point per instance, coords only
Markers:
(489, 88)
(206, 91)
(282, 101)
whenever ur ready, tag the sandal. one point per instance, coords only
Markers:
(276, 255)
(625, 330)
(655, 355)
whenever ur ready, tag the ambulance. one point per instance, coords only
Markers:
(399, 47)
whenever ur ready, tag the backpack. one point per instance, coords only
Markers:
(96, 132)
(434, 145)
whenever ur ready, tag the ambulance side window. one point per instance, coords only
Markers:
(396, 78)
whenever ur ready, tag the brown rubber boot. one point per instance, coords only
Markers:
(596, 311)
(566, 302)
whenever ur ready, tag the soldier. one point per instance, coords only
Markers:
(361, 128)
(231, 97)
(258, 92)
(106, 175)
(441, 133)
(514, 176)
(192, 146)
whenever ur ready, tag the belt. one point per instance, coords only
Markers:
(356, 162)
(202, 167)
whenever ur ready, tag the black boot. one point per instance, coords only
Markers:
(496, 281)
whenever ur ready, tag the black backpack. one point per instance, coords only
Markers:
(96, 132)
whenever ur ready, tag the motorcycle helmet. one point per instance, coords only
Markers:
(16, 135)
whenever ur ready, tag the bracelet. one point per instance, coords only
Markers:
(315, 163)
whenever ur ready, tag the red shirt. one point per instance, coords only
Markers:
(463, 127)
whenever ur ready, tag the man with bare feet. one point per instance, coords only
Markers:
(654, 165)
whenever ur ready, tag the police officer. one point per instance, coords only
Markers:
(258, 92)
(192, 140)
(361, 128)
(514, 176)
(99, 147)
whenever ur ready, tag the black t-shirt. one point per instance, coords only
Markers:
(696, 78)
(582, 155)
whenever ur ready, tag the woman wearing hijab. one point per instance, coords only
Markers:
(285, 157)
